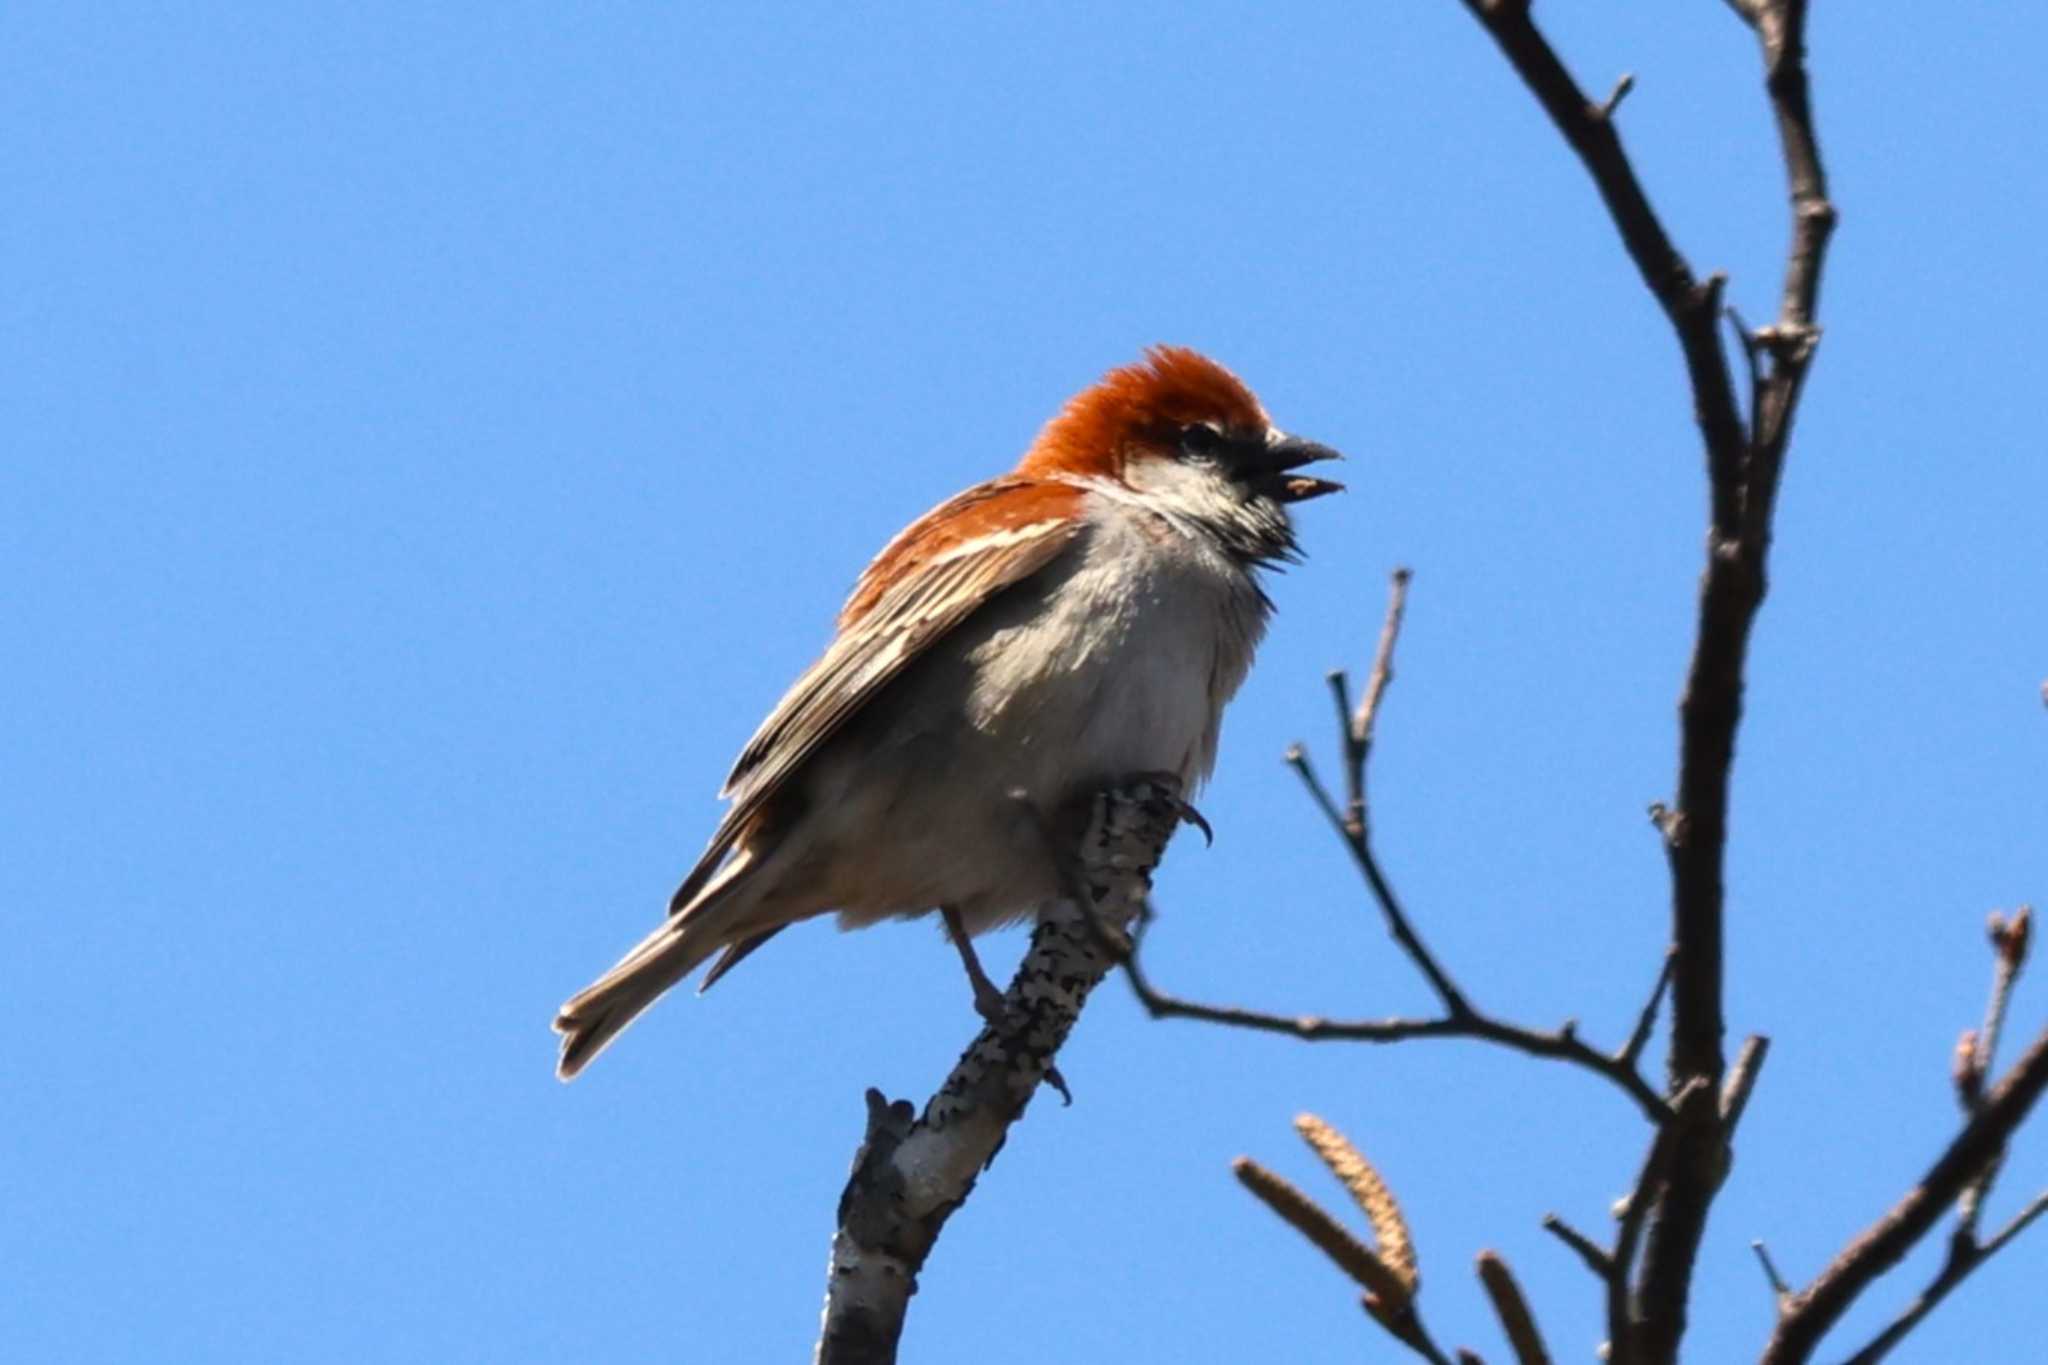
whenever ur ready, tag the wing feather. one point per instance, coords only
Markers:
(935, 575)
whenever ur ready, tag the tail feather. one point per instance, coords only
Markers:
(734, 954)
(600, 1011)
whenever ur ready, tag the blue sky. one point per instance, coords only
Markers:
(437, 437)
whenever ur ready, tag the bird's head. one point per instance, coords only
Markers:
(1189, 441)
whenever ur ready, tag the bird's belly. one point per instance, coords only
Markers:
(1098, 720)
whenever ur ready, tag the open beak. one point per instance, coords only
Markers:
(1289, 453)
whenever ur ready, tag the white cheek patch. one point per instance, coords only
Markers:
(1187, 489)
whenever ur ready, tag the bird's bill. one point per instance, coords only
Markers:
(1301, 488)
(1290, 453)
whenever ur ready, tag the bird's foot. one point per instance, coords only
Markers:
(1186, 810)
(991, 1004)
(989, 1001)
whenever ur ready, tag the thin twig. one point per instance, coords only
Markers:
(1958, 1265)
(1352, 828)
(2008, 956)
(1617, 95)
(1399, 926)
(1744, 469)
(1591, 1252)
(2034, 1209)
(1297, 759)
(1354, 770)
(1632, 1050)
(1376, 682)
(1356, 732)
(1696, 827)
(1779, 1289)
(1751, 356)
(1559, 1045)
(1818, 1307)
(1692, 304)
(1749, 1063)
(1460, 1019)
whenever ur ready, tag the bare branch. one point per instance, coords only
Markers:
(1377, 681)
(1656, 1169)
(1818, 1307)
(1962, 1259)
(1639, 1037)
(1749, 1063)
(1974, 1057)
(1742, 473)
(2009, 939)
(1591, 1252)
(1403, 930)
(1752, 356)
(1780, 1291)
(2034, 1209)
(1616, 96)
(1460, 1018)
(909, 1176)
(1625, 1317)
(1352, 823)
(1354, 827)
(1560, 1045)
(1297, 759)
(1692, 304)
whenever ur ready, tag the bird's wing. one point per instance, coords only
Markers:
(932, 577)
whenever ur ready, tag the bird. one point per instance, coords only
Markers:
(1063, 627)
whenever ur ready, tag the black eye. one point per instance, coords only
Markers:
(1201, 440)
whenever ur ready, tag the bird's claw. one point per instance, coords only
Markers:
(994, 1008)
(1184, 810)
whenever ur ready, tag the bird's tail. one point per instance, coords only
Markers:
(599, 1012)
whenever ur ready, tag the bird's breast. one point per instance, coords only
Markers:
(1118, 659)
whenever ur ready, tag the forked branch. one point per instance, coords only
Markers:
(1352, 824)
(1961, 1179)
(1818, 1307)
(1744, 462)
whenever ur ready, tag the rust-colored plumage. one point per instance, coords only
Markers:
(1011, 510)
(1142, 404)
